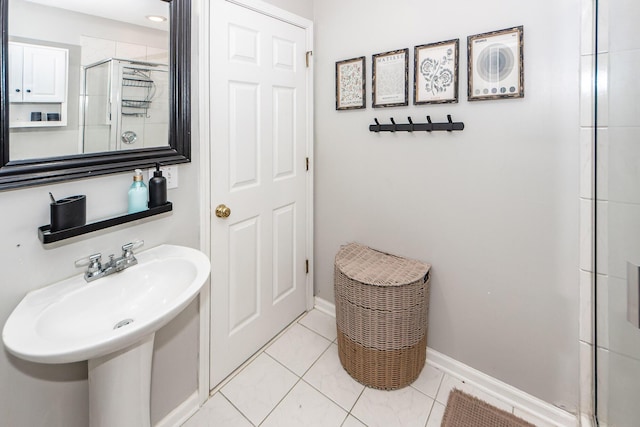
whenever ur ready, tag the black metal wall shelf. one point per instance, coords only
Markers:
(448, 126)
(47, 236)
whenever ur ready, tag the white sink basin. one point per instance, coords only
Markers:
(73, 320)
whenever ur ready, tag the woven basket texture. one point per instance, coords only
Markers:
(381, 312)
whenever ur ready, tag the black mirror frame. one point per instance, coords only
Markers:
(24, 173)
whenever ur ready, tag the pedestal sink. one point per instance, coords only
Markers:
(110, 322)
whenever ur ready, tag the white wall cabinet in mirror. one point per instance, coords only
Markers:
(37, 73)
(38, 81)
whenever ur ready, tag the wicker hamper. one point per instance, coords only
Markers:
(381, 313)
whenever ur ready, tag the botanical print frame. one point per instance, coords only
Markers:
(435, 77)
(350, 84)
(496, 64)
(390, 78)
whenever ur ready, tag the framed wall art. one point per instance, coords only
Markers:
(390, 78)
(496, 65)
(435, 77)
(350, 84)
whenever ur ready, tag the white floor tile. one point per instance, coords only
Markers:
(298, 348)
(435, 417)
(449, 383)
(305, 406)
(428, 381)
(329, 377)
(217, 412)
(258, 388)
(406, 407)
(321, 323)
(352, 421)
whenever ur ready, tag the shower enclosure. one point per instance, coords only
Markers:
(125, 105)
(617, 213)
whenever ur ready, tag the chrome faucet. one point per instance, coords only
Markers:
(97, 270)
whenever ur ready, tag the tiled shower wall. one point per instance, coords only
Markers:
(617, 207)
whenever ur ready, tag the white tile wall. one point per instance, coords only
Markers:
(624, 88)
(587, 76)
(131, 51)
(623, 222)
(586, 194)
(586, 306)
(603, 90)
(623, 158)
(618, 389)
(602, 164)
(602, 238)
(586, 378)
(619, 335)
(624, 34)
(586, 234)
(95, 49)
(586, 162)
(618, 208)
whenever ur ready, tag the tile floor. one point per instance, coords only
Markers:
(298, 381)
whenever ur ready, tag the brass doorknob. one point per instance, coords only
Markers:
(222, 211)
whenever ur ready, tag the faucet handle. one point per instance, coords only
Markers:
(91, 261)
(127, 248)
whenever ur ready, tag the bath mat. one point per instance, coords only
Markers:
(464, 410)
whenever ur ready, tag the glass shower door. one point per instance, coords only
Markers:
(617, 216)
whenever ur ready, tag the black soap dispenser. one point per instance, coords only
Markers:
(157, 188)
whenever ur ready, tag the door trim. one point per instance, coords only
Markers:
(204, 136)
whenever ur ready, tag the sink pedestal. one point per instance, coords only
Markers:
(120, 386)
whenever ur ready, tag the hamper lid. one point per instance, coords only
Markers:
(372, 267)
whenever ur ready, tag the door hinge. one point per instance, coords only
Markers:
(306, 264)
(307, 55)
(307, 164)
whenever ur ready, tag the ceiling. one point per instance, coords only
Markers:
(131, 11)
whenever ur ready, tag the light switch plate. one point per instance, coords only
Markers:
(170, 173)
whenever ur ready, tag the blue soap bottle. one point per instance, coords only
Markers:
(138, 193)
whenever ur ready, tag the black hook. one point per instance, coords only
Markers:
(377, 127)
(430, 127)
(450, 127)
(394, 125)
(410, 124)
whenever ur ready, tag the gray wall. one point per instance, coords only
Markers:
(493, 208)
(302, 8)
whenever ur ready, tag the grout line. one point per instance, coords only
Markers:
(236, 408)
(254, 356)
(280, 401)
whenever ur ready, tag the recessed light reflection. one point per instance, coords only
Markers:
(156, 18)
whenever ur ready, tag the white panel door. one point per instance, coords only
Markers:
(258, 156)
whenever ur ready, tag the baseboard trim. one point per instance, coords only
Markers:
(587, 420)
(509, 394)
(182, 412)
(324, 306)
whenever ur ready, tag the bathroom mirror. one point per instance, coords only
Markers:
(174, 146)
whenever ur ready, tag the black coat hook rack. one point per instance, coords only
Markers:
(429, 126)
